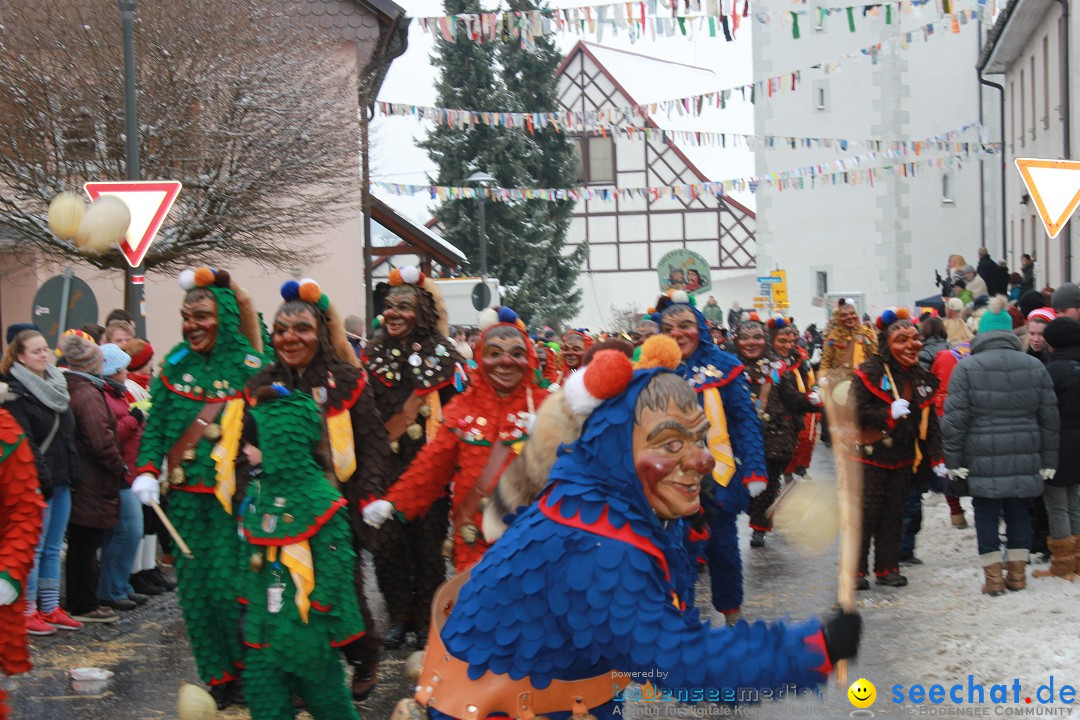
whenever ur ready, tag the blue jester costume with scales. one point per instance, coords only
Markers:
(588, 586)
(736, 443)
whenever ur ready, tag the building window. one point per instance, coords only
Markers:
(822, 283)
(1034, 111)
(821, 96)
(596, 159)
(947, 189)
(1023, 115)
(1046, 82)
(78, 136)
(601, 166)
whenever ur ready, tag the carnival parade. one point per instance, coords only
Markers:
(462, 361)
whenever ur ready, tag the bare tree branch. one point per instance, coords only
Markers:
(256, 118)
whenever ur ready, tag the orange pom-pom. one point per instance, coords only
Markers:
(903, 313)
(310, 292)
(204, 277)
(608, 374)
(660, 351)
(395, 278)
(650, 311)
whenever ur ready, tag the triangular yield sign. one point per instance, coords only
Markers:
(149, 202)
(1054, 185)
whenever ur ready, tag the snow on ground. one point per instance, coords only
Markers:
(956, 630)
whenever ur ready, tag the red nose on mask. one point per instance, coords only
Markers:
(702, 462)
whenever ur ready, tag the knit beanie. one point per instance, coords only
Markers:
(81, 354)
(1031, 300)
(996, 316)
(140, 350)
(1063, 332)
(1067, 296)
(16, 328)
(113, 359)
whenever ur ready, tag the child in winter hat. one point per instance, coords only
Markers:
(114, 359)
(80, 352)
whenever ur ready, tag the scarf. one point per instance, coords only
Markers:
(51, 390)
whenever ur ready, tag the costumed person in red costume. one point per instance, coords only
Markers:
(785, 345)
(21, 508)
(780, 406)
(589, 585)
(312, 354)
(483, 430)
(415, 370)
(894, 398)
(575, 343)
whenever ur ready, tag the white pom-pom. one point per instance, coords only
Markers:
(745, 317)
(577, 395)
(103, 225)
(187, 279)
(997, 304)
(410, 274)
(488, 317)
(305, 281)
(65, 215)
(777, 316)
(680, 296)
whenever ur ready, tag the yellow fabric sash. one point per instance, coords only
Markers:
(798, 380)
(342, 447)
(434, 418)
(224, 453)
(922, 436)
(858, 355)
(297, 557)
(718, 438)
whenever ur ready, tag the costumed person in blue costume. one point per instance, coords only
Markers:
(588, 585)
(735, 442)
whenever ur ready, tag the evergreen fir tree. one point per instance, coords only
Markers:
(525, 240)
(547, 293)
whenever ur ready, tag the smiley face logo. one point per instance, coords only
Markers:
(862, 693)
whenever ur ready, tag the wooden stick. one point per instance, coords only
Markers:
(892, 383)
(172, 531)
(844, 432)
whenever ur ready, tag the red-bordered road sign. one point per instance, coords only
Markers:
(149, 202)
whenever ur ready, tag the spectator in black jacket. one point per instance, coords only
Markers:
(42, 409)
(994, 275)
(1062, 491)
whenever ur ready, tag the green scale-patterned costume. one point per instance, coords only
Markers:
(207, 583)
(297, 526)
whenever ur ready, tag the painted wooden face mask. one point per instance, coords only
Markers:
(905, 344)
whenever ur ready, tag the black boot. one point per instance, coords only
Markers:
(144, 584)
(893, 579)
(158, 578)
(236, 691)
(395, 636)
(421, 639)
(220, 693)
(365, 680)
(757, 539)
(861, 583)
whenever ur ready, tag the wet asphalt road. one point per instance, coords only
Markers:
(148, 652)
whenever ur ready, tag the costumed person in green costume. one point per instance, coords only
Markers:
(200, 388)
(415, 370)
(313, 355)
(301, 604)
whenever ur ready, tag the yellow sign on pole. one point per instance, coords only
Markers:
(779, 290)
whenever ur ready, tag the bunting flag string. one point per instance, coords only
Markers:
(605, 118)
(660, 18)
(850, 171)
(569, 121)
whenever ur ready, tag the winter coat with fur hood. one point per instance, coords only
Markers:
(1001, 419)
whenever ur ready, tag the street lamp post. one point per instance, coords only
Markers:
(134, 277)
(483, 179)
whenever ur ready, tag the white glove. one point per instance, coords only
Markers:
(8, 593)
(961, 473)
(756, 488)
(815, 358)
(940, 470)
(377, 512)
(1048, 473)
(900, 408)
(146, 489)
(814, 398)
